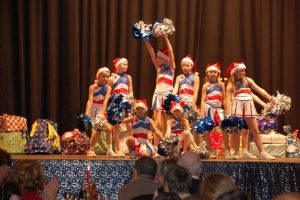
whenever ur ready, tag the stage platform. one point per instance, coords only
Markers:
(261, 179)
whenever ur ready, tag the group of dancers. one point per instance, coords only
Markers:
(217, 101)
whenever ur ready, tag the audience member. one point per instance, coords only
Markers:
(30, 177)
(164, 167)
(143, 180)
(288, 196)
(8, 189)
(167, 196)
(236, 194)
(179, 181)
(192, 162)
(216, 184)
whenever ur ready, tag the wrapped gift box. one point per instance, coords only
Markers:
(13, 142)
(277, 150)
(273, 138)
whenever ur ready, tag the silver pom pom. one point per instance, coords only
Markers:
(164, 27)
(279, 105)
(99, 123)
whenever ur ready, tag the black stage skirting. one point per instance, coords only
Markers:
(262, 180)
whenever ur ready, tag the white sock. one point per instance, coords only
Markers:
(244, 150)
(109, 147)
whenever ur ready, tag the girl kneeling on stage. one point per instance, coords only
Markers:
(177, 124)
(138, 144)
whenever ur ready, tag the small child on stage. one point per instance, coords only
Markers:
(121, 83)
(178, 124)
(165, 66)
(240, 100)
(187, 84)
(99, 94)
(212, 99)
(139, 144)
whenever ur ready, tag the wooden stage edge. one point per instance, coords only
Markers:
(103, 157)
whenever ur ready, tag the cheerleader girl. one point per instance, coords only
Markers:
(212, 99)
(178, 124)
(187, 84)
(165, 67)
(139, 144)
(240, 104)
(121, 83)
(99, 94)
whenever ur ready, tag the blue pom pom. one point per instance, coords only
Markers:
(167, 102)
(233, 124)
(204, 125)
(84, 124)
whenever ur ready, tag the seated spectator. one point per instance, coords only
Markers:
(192, 162)
(179, 181)
(8, 189)
(143, 180)
(237, 194)
(163, 169)
(216, 184)
(288, 196)
(29, 175)
(167, 196)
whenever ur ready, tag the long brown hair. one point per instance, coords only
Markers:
(233, 80)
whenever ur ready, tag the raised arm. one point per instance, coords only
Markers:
(259, 90)
(89, 103)
(104, 106)
(229, 99)
(176, 86)
(152, 54)
(171, 54)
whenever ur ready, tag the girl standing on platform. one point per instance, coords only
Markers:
(177, 124)
(240, 104)
(121, 83)
(165, 67)
(139, 144)
(99, 94)
(187, 84)
(212, 99)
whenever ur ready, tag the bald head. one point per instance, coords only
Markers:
(192, 162)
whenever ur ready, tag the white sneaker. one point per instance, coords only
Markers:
(212, 156)
(227, 155)
(266, 156)
(246, 155)
(91, 154)
(111, 154)
(120, 154)
(235, 156)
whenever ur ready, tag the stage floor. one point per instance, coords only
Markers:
(103, 157)
(262, 179)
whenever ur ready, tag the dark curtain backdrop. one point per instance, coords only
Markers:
(50, 50)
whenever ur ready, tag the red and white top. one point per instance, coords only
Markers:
(164, 80)
(186, 87)
(214, 95)
(176, 127)
(242, 91)
(140, 129)
(98, 98)
(120, 84)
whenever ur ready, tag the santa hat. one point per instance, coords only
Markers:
(163, 53)
(235, 66)
(141, 103)
(117, 62)
(177, 106)
(100, 70)
(213, 67)
(189, 59)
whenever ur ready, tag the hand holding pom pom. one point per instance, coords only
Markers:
(163, 27)
(99, 123)
(277, 106)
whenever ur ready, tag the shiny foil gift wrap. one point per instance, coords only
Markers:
(74, 143)
(277, 150)
(142, 31)
(267, 124)
(216, 140)
(165, 26)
